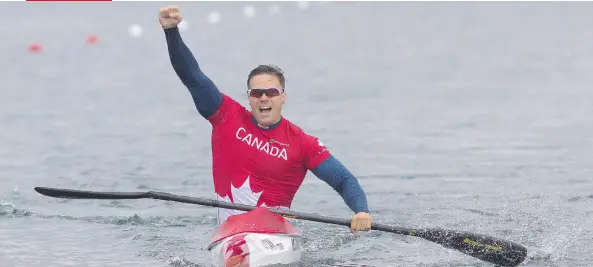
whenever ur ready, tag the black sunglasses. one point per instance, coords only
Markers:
(271, 92)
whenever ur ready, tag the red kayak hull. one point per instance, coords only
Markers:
(259, 220)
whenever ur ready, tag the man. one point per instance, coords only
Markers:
(259, 157)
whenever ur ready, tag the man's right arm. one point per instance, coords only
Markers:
(204, 92)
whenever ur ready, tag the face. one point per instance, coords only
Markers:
(266, 108)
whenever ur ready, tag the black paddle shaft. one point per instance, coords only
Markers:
(483, 247)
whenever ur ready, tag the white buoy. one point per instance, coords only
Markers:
(135, 30)
(249, 11)
(303, 4)
(274, 9)
(213, 17)
(182, 25)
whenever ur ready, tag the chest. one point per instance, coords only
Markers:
(263, 152)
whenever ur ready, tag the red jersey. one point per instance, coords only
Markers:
(255, 166)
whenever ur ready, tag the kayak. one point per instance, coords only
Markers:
(255, 238)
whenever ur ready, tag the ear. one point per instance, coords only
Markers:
(283, 98)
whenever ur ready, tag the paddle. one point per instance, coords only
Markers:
(483, 247)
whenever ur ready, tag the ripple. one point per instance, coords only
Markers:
(9, 210)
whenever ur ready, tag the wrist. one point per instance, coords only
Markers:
(170, 28)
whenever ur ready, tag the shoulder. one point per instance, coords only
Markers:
(231, 102)
(308, 140)
(228, 108)
(313, 150)
(294, 129)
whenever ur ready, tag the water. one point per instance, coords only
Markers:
(468, 116)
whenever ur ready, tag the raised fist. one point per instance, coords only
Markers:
(169, 17)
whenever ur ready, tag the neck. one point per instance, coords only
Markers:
(266, 127)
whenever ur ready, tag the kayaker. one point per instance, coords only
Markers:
(259, 157)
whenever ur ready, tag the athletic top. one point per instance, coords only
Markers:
(254, 165)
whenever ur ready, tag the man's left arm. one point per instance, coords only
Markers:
(326, 167)
(334, 173)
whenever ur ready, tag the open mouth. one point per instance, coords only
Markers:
(265, 109)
